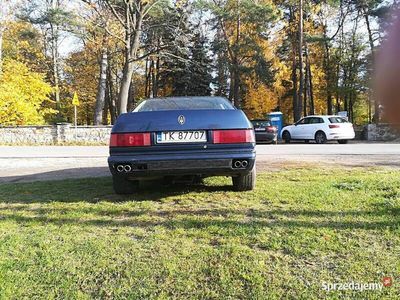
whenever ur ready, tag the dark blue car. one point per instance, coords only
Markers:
(191, 137)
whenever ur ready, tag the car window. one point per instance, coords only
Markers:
(260, 123)
(303, 121)
(337, 120)
(179, 103)
(316, 120)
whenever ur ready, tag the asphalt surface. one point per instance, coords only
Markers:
(18, 164)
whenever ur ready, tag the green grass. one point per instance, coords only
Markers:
(299, 228)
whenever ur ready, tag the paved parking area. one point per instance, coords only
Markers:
(59, 162)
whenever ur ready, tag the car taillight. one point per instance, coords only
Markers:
(233, 136)
(130, 139)
(271, 129)
(334, 126)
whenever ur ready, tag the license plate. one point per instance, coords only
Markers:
(197, 136)
(259, 129)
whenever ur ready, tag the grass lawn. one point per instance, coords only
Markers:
(298, 229)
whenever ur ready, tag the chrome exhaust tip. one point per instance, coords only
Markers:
(127, 168)
(238, 164)
(120, 168)
(245, 163)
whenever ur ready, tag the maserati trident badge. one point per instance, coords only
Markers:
(181, 119)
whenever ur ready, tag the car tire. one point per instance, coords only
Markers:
(245, 182)
(320, 137)
(286, 137)
(342, 141)
(123, 186)
(198, 180)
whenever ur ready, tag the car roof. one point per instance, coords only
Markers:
(187, 98)
(184, 102)
(323, 116)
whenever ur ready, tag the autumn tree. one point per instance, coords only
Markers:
(240, 24)
(54, 18)
(132, 15)
(22, 95)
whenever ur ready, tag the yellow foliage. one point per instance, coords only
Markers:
(22, 42)
(260, 100)
(22, 94)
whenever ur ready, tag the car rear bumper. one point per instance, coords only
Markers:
(341, 136)
(195, 163)
(266, 137)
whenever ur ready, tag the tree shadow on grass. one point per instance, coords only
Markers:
(22, 204)
(63, 174)
(188, 223)
(93, 190)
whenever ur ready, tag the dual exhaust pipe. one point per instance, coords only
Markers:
(124, 168)
(240, 164)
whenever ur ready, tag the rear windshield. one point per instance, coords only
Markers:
(337, 120)
(260, 123)
(182, 103)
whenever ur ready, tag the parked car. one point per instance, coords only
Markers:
(193, 137)
(264, 131)
(319, 128)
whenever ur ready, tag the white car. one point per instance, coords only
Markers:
(319, 128)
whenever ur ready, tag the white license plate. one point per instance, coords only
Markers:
(197, 136)
(259, 129)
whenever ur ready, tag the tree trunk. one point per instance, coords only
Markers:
(231, 77)
(54, 57)
(131, 98)
(147, 84)
(294, 80)
(328, 78)
(125, 85)
(1, 48)
(236, 86)
(131, 49)
(372, 48)
(101, 91)
(110, 98)
(310, 84)
(235, 62)
(106, 108)
(301, 67)
(293, 41)
(156, 78)
(305, 91)
(153, 79)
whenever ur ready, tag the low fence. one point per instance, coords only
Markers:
(55, 134)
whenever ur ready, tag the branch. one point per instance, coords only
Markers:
(149, 54)
(150, 8)
(115, 13)
(343, 17)
(90, 3)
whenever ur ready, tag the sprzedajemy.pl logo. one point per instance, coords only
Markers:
(357, 286)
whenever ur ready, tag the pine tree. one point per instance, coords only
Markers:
(200, 68)
(174, 75)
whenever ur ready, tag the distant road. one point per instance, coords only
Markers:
(58, 162)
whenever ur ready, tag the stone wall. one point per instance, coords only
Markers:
(66, 134)
(57, 134)
(381, 132)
